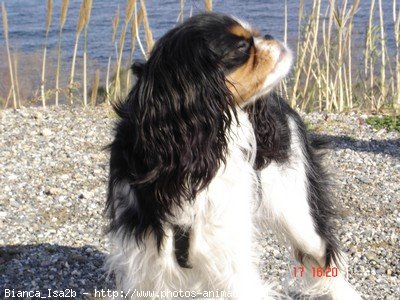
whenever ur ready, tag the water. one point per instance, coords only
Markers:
(27, 18)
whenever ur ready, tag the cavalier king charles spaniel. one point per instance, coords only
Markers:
(205, 154)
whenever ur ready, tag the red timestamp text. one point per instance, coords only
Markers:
(299, 271)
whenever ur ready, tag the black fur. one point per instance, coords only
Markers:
(181, 245)
(170, 138)
(269, 117)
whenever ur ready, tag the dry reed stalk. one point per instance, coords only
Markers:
(135, 29)
(396, 21)
(147, 30)
(2, 101)
(346, 82)
(130, 6)
(341, 22)
(368, 37)
(115, 23)
(284, 82)
(5, 29)
(181, 11)
(191, 11)
(208, 5)
(79, 27)
(333, 100)
(135, 19)
(87, 10)
(134, 32)
(107, 80)
(372, 65)
(49, 14)
(286, 22)
(95, 87)
(302, 52)
(64, 10)
(325, 45)
(368, 58)
(16, 80)
(349, 90)
(300, 21)
(15, 56)
(313, 54)
(48, 23)
(327, 50)
(319, 79)
(63, 17)
(382, 95)
(8, 98)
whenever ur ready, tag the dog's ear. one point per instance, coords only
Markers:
(171, 136)
(131, 214)
(268, 115)
(137, 68)
(181, 110)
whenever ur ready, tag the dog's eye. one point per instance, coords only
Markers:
(243, 46)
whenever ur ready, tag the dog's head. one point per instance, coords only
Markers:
(211, 49)
(183, 103)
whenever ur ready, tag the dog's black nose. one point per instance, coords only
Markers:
(268, 37)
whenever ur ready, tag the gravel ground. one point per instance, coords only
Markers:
(53, 176)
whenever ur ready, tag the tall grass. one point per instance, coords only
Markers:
(396, 86)
(10, 65)
(95, 87)
(135, 27)
(63, 18)
(129, 9)
(48, 23)
(330, 77)
(382, 94)
(15, 60)
(115, 23)
(87, 9)
(147, 30)
(329, 74)
(79, 27)
(208, 5)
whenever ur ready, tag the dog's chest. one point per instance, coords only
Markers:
(232, 191)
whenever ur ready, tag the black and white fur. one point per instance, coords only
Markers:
(189, 168)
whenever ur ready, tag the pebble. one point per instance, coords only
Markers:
(14, 203)
(372, 256)
(46, 132)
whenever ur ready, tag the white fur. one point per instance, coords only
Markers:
(286, 209)
(285, 199)
(221, 244)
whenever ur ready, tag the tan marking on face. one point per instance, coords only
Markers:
(241, 31)
(246, 81)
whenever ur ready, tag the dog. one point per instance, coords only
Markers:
(205, 155)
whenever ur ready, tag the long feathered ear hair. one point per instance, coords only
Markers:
(268, 116)
(171, 136)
